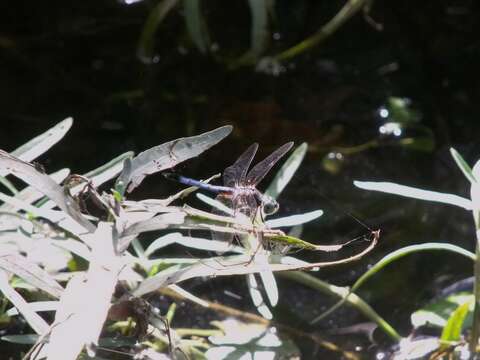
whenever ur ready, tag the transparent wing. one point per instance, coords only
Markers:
(236, 173)
(259, 171)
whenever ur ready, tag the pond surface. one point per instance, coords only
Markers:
(372, 105)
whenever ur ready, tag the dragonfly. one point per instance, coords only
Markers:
(239, 190)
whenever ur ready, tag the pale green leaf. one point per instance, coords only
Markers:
(415, 193)
(286, 172)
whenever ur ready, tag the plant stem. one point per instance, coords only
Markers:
(476, 290)
(345, 13)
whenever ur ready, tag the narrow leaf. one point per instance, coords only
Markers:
(37, 306)
(27, 339)
(31, 273)
(453, 329)
(294, 220)
(259, 28)
(464, 167)
(40, 144)
(286, 172)
(34, 320)
(415, 193)
(44, 183)
(215, 204)
(168, 155)
(196, 25)
(30, 194)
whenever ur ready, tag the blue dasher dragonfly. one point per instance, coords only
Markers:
(239, 190)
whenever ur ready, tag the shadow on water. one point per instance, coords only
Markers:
(373, 105)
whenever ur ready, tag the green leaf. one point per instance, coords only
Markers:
(437, 313)
(196, 25)
(45, 184)
(215, 204)
(462, 164)
(407, 250)
(35, 321)
(286, 172)
(40, 144)
(393, 256)
(259, 32)
(5, 182)
(412, 192)
(27, 339)
(167, 155)
(31, 273)
(453, 330)
(294, 220)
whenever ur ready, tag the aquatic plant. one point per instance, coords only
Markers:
(47, 237)
(457, 310)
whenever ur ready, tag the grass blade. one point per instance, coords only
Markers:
(462, 164)
(31, 273)
(40, 144)
(294, 220)
(39, 325)
(453, 329)
(286, 172)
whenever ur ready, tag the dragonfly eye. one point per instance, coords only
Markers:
(270, 206)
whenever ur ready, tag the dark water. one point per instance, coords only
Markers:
(79, 59)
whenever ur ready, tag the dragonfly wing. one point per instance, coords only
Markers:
(236, 173)
(259, 171)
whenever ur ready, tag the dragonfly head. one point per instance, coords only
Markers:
(269, 204)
